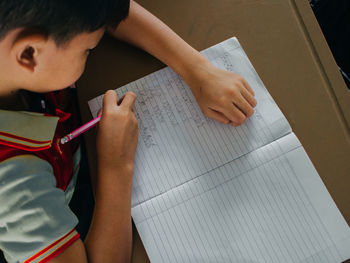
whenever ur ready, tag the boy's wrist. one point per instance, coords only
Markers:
(191, 68)
(196, 71)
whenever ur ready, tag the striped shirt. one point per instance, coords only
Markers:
(37, 179)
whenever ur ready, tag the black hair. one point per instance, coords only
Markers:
(61, 19)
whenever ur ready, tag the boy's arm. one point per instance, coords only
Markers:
(110, 234)
(223, 96)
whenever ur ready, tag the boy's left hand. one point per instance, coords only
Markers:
(222, 95)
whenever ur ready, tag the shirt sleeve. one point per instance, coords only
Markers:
(35, 222)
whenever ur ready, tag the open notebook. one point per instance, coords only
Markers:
(207, 192)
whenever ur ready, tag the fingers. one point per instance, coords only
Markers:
(247, 86)
(110, 100)
(218, 116)
(233, 114)
(238, 108)
(242, 104)
(128, 100)
(248, 97)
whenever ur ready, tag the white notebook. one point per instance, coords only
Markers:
(207, 192)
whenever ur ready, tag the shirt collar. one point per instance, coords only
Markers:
(27, 130)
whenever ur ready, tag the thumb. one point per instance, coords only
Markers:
(109, 100)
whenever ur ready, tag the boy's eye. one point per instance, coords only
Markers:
(88, 51)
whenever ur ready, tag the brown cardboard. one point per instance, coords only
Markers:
(286, 47)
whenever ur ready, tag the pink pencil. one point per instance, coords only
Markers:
(80, 130)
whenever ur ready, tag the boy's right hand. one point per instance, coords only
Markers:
(117, 133)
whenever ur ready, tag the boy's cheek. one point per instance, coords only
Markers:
(80, 71)
(62, 73)
(74, 73)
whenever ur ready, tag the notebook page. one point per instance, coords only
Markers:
(177, 143)
(267, 206)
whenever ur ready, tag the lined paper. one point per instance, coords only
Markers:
(177, 142)
(207, 192)
(253, 209)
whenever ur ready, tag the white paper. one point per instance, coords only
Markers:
(207, 192)
(253, 209)
(177, 142)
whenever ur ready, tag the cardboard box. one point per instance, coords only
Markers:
(286, 46)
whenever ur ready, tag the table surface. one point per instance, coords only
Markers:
(276, 35)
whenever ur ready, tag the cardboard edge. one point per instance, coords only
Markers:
(335, 85)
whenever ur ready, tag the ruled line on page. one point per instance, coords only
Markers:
(177, 142)
(206, 192)
(261, 215)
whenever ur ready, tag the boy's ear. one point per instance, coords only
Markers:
(26, 58)
(26, 50)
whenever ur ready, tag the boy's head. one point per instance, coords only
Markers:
(44, 43)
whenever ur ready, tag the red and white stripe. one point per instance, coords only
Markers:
(54, 249)
(23, 143)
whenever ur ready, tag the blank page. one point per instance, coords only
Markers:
(267, 206)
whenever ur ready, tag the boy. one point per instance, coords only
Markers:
(43, 48)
